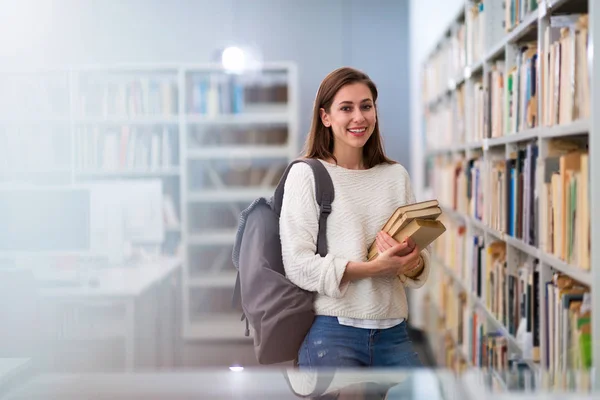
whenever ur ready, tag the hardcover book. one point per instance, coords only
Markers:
(417, 220)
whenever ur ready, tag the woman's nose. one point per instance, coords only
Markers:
(358, 116)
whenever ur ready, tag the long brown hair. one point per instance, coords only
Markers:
(319, 143)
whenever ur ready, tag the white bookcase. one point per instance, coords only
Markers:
(472, 128)
(217, 140)
(228, 161)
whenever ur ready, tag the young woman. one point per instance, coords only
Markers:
(361, 306)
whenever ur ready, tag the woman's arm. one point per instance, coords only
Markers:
(395, 258)
(298, 230)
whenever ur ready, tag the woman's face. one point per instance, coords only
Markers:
(352, 116)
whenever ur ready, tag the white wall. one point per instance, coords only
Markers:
(318, 35)
(428, 21)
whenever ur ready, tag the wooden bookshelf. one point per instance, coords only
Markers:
(216, 140)
(508, 121)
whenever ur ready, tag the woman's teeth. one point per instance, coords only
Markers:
(357, 131)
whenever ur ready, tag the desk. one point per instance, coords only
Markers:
(137, 304)
(123, 282)
(269, 384)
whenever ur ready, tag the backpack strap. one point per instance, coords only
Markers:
(324, 196)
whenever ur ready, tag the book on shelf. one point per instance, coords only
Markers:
(516, 11)
(417, 220)
(125, 148)
(565, 209)
(565, 79)
(554, 218)
(567, 329)
(536, 86)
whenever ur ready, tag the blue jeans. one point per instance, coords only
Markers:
(329, 344)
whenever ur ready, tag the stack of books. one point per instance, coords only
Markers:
(417, 221)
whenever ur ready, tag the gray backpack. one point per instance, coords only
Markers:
(279, 312)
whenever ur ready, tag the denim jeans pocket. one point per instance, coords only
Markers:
(329, 344)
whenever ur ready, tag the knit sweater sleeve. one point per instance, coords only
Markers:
(419, 280)
(298, 230)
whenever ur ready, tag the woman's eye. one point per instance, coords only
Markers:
(345, 108)
(367, 107)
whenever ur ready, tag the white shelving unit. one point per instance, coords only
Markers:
(456, 130)
(229, 137)
(221, 180)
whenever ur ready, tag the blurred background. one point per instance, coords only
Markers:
(132, 133)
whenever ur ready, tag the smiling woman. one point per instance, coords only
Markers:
(351, 114)
(361, 305)
(345, 112)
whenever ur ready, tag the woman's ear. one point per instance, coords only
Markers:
(325, 118)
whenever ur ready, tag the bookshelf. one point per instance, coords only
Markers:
(216, 140)
(508, 122)
(233, 152)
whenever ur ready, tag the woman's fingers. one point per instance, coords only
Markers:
(384, 241)
(386, 238)
(406, 250)
(411, 257)
(394, 250)
(381, 246)
(391, 241)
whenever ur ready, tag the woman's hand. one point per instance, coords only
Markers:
(384, 241)
(395, 257)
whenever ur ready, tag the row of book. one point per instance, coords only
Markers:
(446, 64)
(516, 10)
(444, 310)
(512, 205)
(234, 174)
(540, 87)
(510, 293)
(564, 204)
(214, 94)
(513, 292)
(126, 148)
(462, 333)
(441, 127)
(483, 332)
(542, 202)
(451, 248)
(436, 76)
(207, 135)
(515, 97)
(131, 95)
(505, 101)
(458, 184)
(463, 46)
(565, 75)
(127, 97)
(476, 31)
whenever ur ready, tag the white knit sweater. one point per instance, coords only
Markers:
(364, 200)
